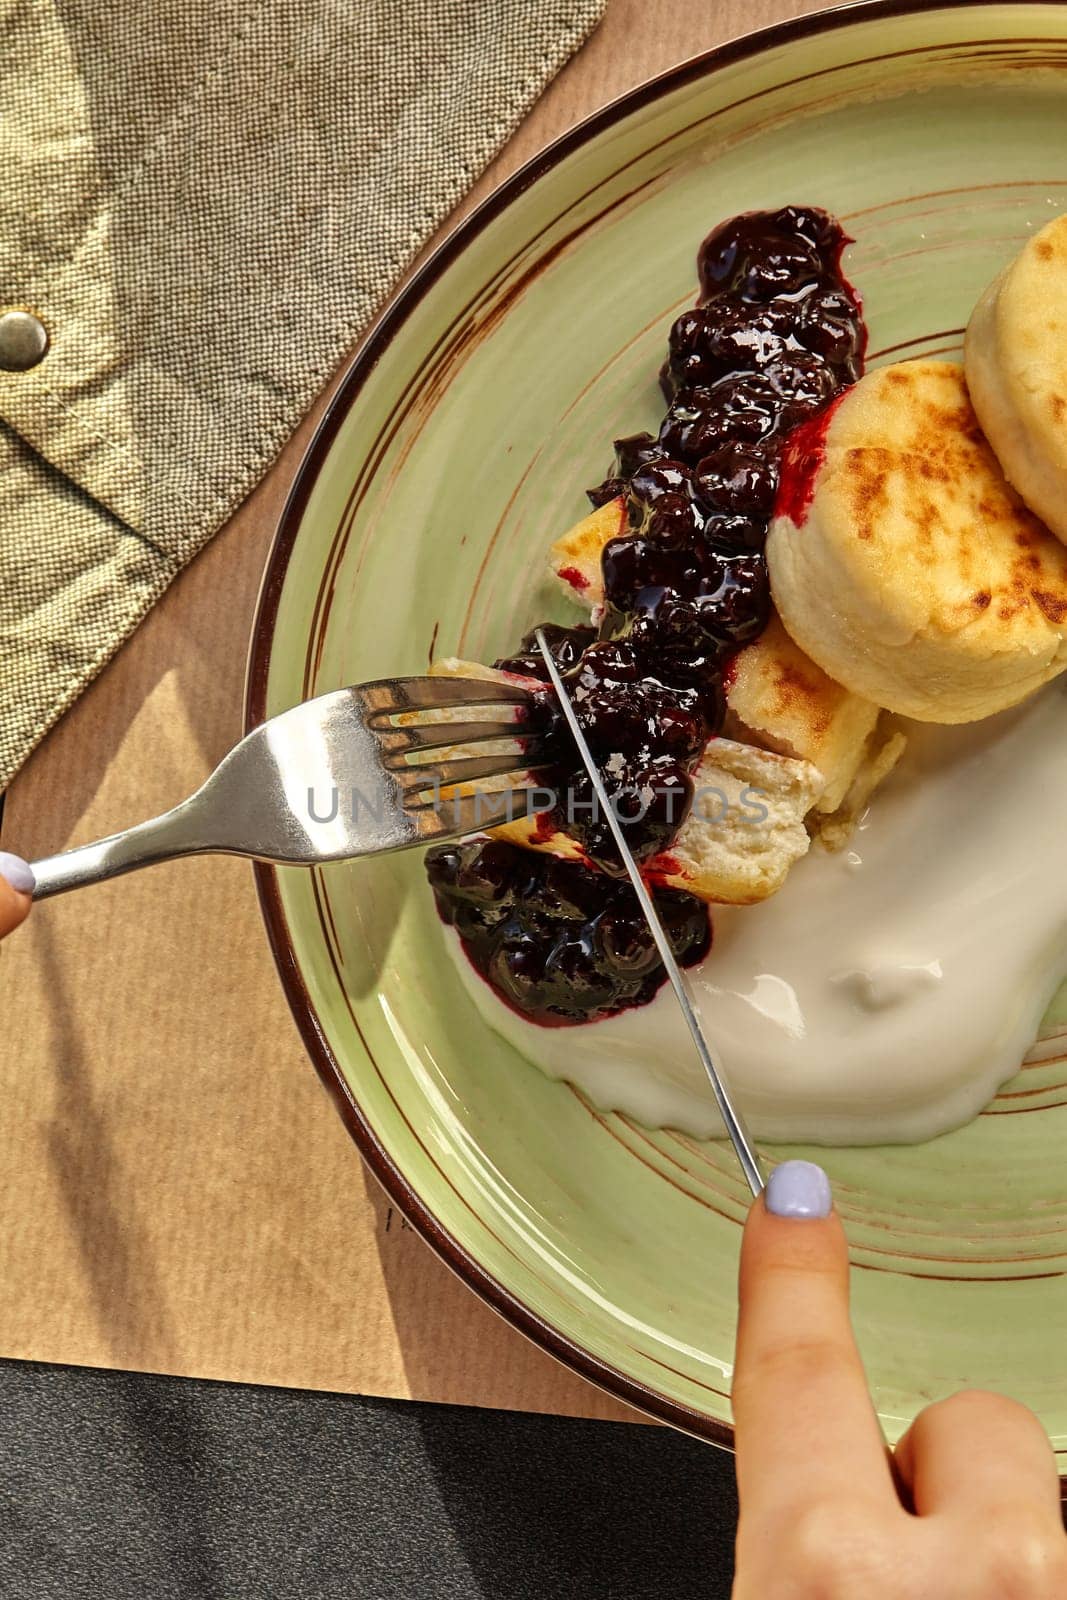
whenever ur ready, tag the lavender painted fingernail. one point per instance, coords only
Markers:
(18, 873)
(799, 1189)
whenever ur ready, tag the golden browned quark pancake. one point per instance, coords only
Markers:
(903, 563)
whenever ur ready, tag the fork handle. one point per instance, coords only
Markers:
(160, 839)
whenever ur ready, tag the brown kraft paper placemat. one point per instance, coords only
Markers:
(179, 1193)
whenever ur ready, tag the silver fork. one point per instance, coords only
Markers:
(334, 777)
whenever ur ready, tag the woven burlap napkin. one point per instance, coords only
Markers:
(205, 201)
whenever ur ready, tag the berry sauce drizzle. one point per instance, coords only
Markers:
(558, 942)
(802, 455)
(775, 337)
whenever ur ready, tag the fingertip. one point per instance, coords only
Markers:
(16, 889)
(797, 1192)
(800, 1191)
(17, 872)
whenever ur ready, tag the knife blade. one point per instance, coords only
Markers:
(734, 1123)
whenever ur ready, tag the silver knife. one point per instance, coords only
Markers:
(735, 1124)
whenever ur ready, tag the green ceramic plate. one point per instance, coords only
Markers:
(458, 445)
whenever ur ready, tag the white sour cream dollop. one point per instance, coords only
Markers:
(885, 993)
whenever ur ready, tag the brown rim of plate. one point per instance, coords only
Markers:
(381, 332)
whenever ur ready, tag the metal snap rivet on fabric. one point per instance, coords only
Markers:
(23, 340)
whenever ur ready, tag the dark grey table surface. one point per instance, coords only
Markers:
(117, 1485)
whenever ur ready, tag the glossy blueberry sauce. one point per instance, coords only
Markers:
(775, 337)
(558, 942)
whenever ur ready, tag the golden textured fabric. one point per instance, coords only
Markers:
(205, 201)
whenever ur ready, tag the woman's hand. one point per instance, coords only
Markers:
(966, 1508)
(16, 887)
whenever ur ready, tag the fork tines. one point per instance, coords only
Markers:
(493, 745)
(392, 697)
